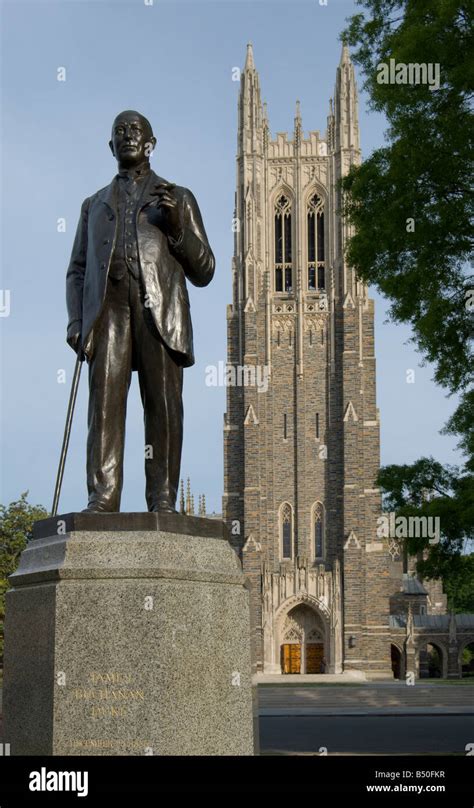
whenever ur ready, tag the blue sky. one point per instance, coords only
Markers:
(173, 61)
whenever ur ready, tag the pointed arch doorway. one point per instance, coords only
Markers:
(302, 647)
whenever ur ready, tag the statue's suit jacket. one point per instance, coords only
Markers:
(164, 264)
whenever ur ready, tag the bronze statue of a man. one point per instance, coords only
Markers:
(137, 241)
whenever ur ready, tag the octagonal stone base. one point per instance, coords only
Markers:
(128, 634)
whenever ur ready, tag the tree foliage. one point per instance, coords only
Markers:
(423, 173)
(16, 528)
(411, 204)
(426, 488)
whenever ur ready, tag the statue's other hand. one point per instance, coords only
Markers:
(74, 341)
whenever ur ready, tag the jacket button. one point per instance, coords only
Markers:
(111, 217)
(106, 241)
(103, 266)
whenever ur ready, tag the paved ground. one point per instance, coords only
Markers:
(364, 735)
(372, 718)
(380, 697)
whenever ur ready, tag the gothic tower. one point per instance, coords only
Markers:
(301, 431)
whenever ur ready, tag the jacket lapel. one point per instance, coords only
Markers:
(109, 196)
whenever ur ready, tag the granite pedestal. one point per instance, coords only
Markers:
(128, 634)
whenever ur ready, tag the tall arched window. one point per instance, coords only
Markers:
(316, 261)
(283, 254)
(286, 530)
(318, 529)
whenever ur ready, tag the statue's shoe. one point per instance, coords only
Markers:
(163, 505)
(97, 507)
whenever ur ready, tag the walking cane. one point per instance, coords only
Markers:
(67, 431)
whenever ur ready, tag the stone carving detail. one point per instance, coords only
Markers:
(394, 548)
(314, 586)
(279, 172)
(317, 304)
(314, 171)
(315, 322)
(284, 323)
(292, 630)
(292, 635)
(303, 626)
(280, 308)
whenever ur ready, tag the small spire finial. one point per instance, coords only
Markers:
(298, 126)
(188, 497)
(345, 55)
(249, 63)
(181, 498)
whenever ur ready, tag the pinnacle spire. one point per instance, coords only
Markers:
(345, 55)
(346, 128)
(249, 63)
(298, 126)
(181, 498)
(188, 497)
(250, 135)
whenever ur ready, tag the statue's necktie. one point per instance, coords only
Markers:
(130, 186)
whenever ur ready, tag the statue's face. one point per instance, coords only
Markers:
(132, 139)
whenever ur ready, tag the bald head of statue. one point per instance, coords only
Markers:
(132, 140)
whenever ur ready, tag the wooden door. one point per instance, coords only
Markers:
(314, 657)
(291, 657)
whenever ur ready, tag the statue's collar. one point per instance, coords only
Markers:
(135, 172)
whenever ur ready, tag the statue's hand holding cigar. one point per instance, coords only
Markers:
(168, 203)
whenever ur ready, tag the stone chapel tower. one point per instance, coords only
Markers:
(301, 451)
